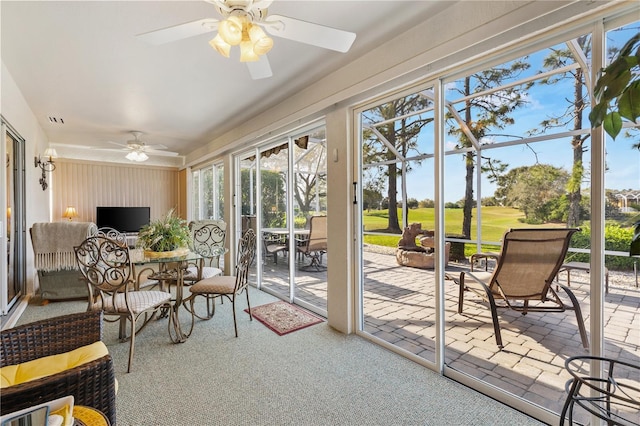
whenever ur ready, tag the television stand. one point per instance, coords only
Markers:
(132, 238)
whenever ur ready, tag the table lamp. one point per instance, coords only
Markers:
(70, 213)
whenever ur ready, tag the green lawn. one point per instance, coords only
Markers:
(495, 221)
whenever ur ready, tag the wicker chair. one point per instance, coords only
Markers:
(92, 384)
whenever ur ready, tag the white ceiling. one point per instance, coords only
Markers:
(80, 61)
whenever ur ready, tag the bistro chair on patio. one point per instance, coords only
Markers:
(229, 286)
(273, 244)
(108, 272)
(315, 246)
(528, 262)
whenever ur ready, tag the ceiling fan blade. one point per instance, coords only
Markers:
(309, 33)
(260, 69)
(262, 4)
(118, 144)
(179, 32)
(160, 153)
(154, 147)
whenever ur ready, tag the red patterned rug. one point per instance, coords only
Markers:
(283, 317)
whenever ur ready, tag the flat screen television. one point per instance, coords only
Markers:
(124, 219)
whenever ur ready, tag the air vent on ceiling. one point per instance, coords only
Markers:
(56, 120)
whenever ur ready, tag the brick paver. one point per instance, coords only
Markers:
(399, 308)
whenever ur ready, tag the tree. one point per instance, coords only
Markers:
(533, 189)
(371, 199)
(310, 179)
(307, 188)
(427, 204)
(380, 142)
(571, 117)
(483, 115)
(412, 203)
(273, 197)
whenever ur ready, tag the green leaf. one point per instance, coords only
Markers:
(597, 114)
(629, 102)
(629, 45)
(616, 86)
(612, 124)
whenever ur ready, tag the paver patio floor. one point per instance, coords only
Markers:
(399, 308)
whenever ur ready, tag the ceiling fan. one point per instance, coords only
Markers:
(242, 24)
(138, 150)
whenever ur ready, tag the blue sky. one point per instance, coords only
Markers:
(543, 101)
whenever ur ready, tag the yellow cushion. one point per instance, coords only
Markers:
(49, 365)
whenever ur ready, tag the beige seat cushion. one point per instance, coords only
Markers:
(207, 272)
(139, 301)
(222, 284)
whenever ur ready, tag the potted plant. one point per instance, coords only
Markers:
(165, 237)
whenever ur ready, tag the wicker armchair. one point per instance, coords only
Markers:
(91, 384)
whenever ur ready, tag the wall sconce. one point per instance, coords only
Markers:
(70, 213)
(46, 163)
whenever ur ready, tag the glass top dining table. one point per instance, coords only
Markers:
(170, 269)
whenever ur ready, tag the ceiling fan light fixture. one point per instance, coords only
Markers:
(138, 156)
(246, 52)
(221, 46)
(231, 30)
(261, 43)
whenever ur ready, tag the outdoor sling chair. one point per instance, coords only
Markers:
(316, 244)
(528, 262)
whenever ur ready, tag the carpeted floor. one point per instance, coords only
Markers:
(315, 376)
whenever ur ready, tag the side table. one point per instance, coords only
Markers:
(582, 266)
(88, 416)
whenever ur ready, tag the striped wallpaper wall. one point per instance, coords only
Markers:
(87, 185)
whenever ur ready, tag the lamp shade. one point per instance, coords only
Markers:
(50, 153)
(221, 46)
(231, 30)
(246, 52)
(261, 43)
(137, 156)
(70, 213)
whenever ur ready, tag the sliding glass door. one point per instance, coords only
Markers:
(274, 218)
(397, 179)
(282, 186)
(511, 146)
(309, 183)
